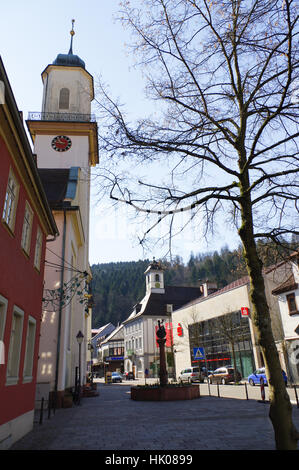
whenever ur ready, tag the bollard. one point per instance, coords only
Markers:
(41, 411)
(246, 391)
(263, 390)
(295, 389)
(218, 391)
(49, 406)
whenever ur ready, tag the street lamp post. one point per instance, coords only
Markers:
(79, 337)
(91, 348)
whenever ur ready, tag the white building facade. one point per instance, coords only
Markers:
(141, 350)
(205, 319)
(288, 298)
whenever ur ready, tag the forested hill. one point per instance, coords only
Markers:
(117, 287)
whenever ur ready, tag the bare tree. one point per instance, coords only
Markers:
(228, 328)
(225, 75)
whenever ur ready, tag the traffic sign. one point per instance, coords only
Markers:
(199, 353)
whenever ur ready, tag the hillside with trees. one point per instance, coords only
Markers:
(117, 287)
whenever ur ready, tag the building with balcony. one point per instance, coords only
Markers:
(64, 135)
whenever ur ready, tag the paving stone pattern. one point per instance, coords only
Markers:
(112, 421)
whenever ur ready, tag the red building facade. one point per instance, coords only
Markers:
(26, 222)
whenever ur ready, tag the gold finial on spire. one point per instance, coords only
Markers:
(72, 32)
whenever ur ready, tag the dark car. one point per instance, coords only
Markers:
(224, 375)
(116, 377)
(130, 376)
(259, 375)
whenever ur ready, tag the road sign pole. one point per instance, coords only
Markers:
(207, 371)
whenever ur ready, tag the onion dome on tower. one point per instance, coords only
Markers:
(70, 59)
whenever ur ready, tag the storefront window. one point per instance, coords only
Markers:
(226, 340)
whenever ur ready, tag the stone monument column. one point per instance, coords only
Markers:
(161, 334)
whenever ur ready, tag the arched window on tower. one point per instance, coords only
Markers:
(157, 278)
(64, 98)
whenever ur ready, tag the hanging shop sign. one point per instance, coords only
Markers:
(244, 311)
(180, 330)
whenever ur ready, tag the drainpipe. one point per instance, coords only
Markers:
(60, 305)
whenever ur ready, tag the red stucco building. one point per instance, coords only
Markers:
(26, 223)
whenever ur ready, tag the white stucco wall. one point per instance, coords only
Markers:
(73, 316)
(290, 322)
(47, 157)
(76, 81)
(202, 310)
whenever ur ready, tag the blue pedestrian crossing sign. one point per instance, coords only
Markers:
(198, 353)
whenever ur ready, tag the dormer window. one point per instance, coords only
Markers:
(64, 98)
(291, 300)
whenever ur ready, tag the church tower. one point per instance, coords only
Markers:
(65, 141)
(155, 278)
(65, 132)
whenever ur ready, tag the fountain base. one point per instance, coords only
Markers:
(166, 393)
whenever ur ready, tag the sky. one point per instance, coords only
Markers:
(32, 33)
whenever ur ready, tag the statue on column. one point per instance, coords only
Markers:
(161, 339)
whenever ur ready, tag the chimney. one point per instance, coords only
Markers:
(137, 308)
(207, 287)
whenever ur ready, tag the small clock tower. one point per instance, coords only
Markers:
(65, 142)
(155, 278)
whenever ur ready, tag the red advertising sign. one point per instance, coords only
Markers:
(169, 335)
(244, 311)
(180, 330)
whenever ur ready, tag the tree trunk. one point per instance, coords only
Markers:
(280, 413)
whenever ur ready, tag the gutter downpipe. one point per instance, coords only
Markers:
(60, 308)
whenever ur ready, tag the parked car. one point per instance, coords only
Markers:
(130, 376)
(191, 374)
(224, 375)
(204, 371)
(260, 374)
(116, 377)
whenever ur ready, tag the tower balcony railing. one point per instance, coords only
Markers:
(71, 117)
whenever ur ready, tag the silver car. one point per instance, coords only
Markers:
(191, 374)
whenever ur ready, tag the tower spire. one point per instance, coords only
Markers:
(72, 33)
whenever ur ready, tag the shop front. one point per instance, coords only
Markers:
(226, 341)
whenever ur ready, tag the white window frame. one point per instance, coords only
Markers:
(30, 348)
(3, 311)
(15, 346)
(38, 248)
(27, 228)
(11, 201)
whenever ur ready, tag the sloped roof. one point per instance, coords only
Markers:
(55, 182)
(59, 184)
(286, 286)
(233, 285)
(103, 330)
(155, 304)
(117, 334)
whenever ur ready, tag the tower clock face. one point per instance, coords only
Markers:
(61, 143)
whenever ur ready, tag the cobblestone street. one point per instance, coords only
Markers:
(114, 422)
